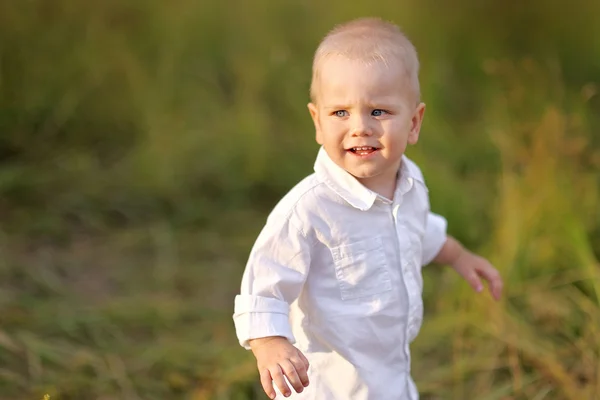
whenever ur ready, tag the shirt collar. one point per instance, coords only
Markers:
(351, 190)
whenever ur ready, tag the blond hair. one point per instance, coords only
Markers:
(369, 40)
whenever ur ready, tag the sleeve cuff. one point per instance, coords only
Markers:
(256, 317)
(435, 237)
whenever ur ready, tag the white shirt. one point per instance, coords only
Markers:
(337, 271)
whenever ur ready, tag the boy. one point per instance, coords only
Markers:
(336, 271)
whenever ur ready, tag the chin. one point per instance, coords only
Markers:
(363, 174)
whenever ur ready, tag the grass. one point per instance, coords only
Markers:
(141, 147)
(86, 320)
(542, 340)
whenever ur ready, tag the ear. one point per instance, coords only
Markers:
(415, 124)
(314, 113)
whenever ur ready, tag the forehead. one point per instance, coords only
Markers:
(348, 80)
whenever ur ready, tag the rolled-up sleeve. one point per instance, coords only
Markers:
(274, 276)
(434, 237)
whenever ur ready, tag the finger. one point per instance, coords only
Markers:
(493, 277)
(267, 383)
(277, 375)
(474, 281)
(497, 290)
(305, 360)
(290, 371)
(301, 368)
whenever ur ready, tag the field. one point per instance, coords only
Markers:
(143, 144)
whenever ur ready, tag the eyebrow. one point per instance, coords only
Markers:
(381, 105)
(335, 107)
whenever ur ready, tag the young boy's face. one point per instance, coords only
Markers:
(365, 116)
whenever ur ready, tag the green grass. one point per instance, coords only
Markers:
(142, 145)
(132, 315)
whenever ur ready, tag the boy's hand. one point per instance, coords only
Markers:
(470, 266)
(276, 357)
(473, 267)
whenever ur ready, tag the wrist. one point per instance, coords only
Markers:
(460, 255)
(259, 342)
(450, 253)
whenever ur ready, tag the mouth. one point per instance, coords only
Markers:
(362, 150)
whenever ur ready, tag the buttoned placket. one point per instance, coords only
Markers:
(406, 251)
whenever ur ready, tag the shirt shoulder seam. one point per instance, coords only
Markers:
(288, 215)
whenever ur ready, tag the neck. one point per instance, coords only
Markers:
(383, 184)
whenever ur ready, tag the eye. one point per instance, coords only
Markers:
(378, 112)
(341, 113)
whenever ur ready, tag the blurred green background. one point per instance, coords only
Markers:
(143, 143)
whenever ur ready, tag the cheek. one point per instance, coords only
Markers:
(332, 130)
(397, 137)
(397, 131)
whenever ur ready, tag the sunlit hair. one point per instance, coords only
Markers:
(370, 40)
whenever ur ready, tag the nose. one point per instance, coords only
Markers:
(361, 126)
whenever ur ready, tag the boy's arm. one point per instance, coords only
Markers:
(470, 266)
(434, 237)
(440, 248)
(274, 277)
